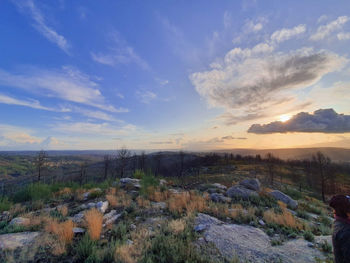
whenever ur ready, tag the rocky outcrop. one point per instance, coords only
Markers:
(284, 198)
(219, 198)
(252, 184)
(130, 183)
(20, 221)
(102, 206)
(17, 240)
(252, 244)
(238, 191)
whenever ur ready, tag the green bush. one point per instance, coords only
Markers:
(33, 192)
(309, 236)
(5, 204)
(295, 194)
(303, 214)
(326, 247)
(86, 250)
(148, 181)
(139, 174)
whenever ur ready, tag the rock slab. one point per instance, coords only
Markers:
(17, 240)
(284, 198)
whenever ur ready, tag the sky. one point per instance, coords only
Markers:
(191, 75)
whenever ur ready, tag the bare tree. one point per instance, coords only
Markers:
(122, 160)
(142, 161)
(181, 162)
(82, 172)
(322, 164)
(106, 162)
(40, 162)
(270, 161)
(158, 162)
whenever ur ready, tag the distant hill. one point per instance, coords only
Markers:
(336, 154)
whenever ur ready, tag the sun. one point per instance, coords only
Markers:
(284, 118)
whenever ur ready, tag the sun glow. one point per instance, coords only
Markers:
(284, 118)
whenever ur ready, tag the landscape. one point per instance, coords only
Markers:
(173, 131)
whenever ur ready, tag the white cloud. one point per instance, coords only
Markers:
(254, 26)
(146, 96)
(343, 36)
(40, 24)
(325, 30)
(27, 103)
(119, 53)
(254, 81)
(286, 33)
(67, 83)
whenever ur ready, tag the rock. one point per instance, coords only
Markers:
(220, 186)
(78, 230)
(238, 191)
(129, 242)
(17, 240)
(78, 218)
(102, 206)
(162, 182)
(252, 184)
(130, 183)
(261, 222)
(132, 226)
(159, 205)
(83, 207)
(109, 215)
(284, 198)
(215, 197)
(113, 219)
(87, 195)
(20, 221)
(252, 244)
(91, 205)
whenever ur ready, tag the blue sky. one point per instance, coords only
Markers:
(169, 74)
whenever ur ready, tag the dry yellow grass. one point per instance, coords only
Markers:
(64, 191)
(131, 253)
(93, 220)
(17, 209)
(142, 202)
(187, 202)
(63, 210)
(177, 226)
(158, 196)
(123, 199)
(112, 199)
(63, 231)
(284, 219)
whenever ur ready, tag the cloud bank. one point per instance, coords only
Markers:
(322, 120)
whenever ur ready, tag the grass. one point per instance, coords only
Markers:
(5, 204)
(189, 202)
(148, 182)
(309, 236)
(86, 250)
(93, 220)
(33, 192)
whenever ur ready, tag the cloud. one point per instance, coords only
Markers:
(27, 103)
(286, 33)
(120, 53)
(254, 79)
(325, 30)
(252, 27)
(95, 114)
(40, 24)
(146, 96)
(322, 120)
(343, 36)
(229, 137)
(161, 142)
(93, 128)
(67, 83)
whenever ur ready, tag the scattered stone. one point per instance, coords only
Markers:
(78, 218)
(252, 184)
(113, 219)
(130, 183)
(102, 206)
(83, 207)
(159, 205)
(220, 186)
(20, 221)
(129, 242)
(261, 222)
(109, 215)
(17, 240)
(238, 191)
(91, 205)
(132, 226)
(215, 197)
(284, 198)
(78, 230)
(162, 182)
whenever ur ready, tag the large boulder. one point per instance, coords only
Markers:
(238, 191)
(252, 184)
(17, 240)
(284, 198)
(251, 244)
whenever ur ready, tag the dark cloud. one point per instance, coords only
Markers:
(165, 142)
(233, 138)
(322, 120)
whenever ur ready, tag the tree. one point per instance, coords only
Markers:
(106, 162)
(122, 160)
(82, 172)
(142, 160)
(270, 161)
(158, 161)
(322, 164)
(40, 162)
(181, 162)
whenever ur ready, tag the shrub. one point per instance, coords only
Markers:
(303, 214)
(112, 200)
(148, 182)
(284, 219)
(309, 236)
(63, 231)
(138, 174)
(120, 231)
(295, 194)
(326, 247)
(177, 226)
(94, 219)
(33, 192)
(86, 250)
(5, 204)
(63, 210)
(142, 202)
